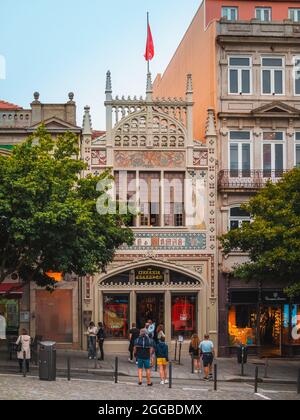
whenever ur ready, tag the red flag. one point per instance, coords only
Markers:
(149, 54)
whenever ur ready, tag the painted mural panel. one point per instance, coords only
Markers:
(149, 159)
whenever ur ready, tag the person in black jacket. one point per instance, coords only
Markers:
(162, 355)
(100, 338)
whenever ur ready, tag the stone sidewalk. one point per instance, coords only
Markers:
(278, 370)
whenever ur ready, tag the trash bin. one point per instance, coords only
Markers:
(242, 354)
(47, 361)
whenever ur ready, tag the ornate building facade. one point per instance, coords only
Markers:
(169, 275)
(251, 80)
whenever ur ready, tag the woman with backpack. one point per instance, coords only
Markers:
(162, 356)
(195, 352)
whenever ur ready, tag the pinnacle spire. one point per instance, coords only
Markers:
(189, 85)
(108, 88)
(87, 122)
(149, 89)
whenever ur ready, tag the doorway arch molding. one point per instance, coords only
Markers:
(157, 263)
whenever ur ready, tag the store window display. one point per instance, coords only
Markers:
(242, 324)
(184, 320)
(116, 315)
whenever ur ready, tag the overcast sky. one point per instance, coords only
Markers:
(58, 46)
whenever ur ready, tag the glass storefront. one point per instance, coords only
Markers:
(116, 315)
(184, 315)
(242, 323)
(150, 306)
(10, 309)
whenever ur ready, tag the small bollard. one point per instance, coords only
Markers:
(170, 375)
(242, 364)
(69, 368)
(256, 380)
(298, 382)
(179, 357)
(266, 368)
(215, 377)
(175, 358)
(156, 367)
(24, 364)
(116, 369)
(193, 363)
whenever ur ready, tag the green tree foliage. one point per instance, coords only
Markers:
(273, 239)
(48, 215)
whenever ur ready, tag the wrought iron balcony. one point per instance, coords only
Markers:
(248, 179)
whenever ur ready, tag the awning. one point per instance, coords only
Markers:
(11, 288)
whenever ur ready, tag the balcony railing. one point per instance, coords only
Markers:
(248, 179)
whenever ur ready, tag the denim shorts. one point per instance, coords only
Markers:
(144, 363)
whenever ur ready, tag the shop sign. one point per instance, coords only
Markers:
(274, 297)
(150, 274)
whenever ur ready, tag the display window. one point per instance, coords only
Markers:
(116, 315)
(10, 309)
(184, 319)
(295, 333)
(242, 323)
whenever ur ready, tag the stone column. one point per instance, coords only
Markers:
(168, 323)
(132, 317)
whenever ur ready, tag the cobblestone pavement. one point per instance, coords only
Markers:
(15, 387)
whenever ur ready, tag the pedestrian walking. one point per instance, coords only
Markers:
(194, 351)
(143, 349)
(100, 338)
(92, 340)
(23, 342)
(162, 356)
(208, 353)
(134, 333)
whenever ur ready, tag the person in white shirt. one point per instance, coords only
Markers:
(2, 326)
(25, 341)
(92, 341)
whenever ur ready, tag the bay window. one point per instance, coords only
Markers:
(273, 154)
(272, 76)
(240, 153)
(264, 14)
(231, 13)
(294, 14)
(240, 74)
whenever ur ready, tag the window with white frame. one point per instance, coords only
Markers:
(272, 75)
(231, 13)
(264, 14)
(273, 153)
(240, 153)
(294, 14)
(297, 149)
(297, 75)
(238, 217)
(240, 75)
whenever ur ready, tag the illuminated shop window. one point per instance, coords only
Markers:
(242, 323)
(116, 315)
(184, 319)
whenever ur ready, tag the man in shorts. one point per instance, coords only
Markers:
(143, 350)
(208, 353)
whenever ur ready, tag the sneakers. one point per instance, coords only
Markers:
(130, 361)
(166, 381)
(206, 379)
(162, 382)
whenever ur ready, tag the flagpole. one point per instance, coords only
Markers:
(148, 61)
